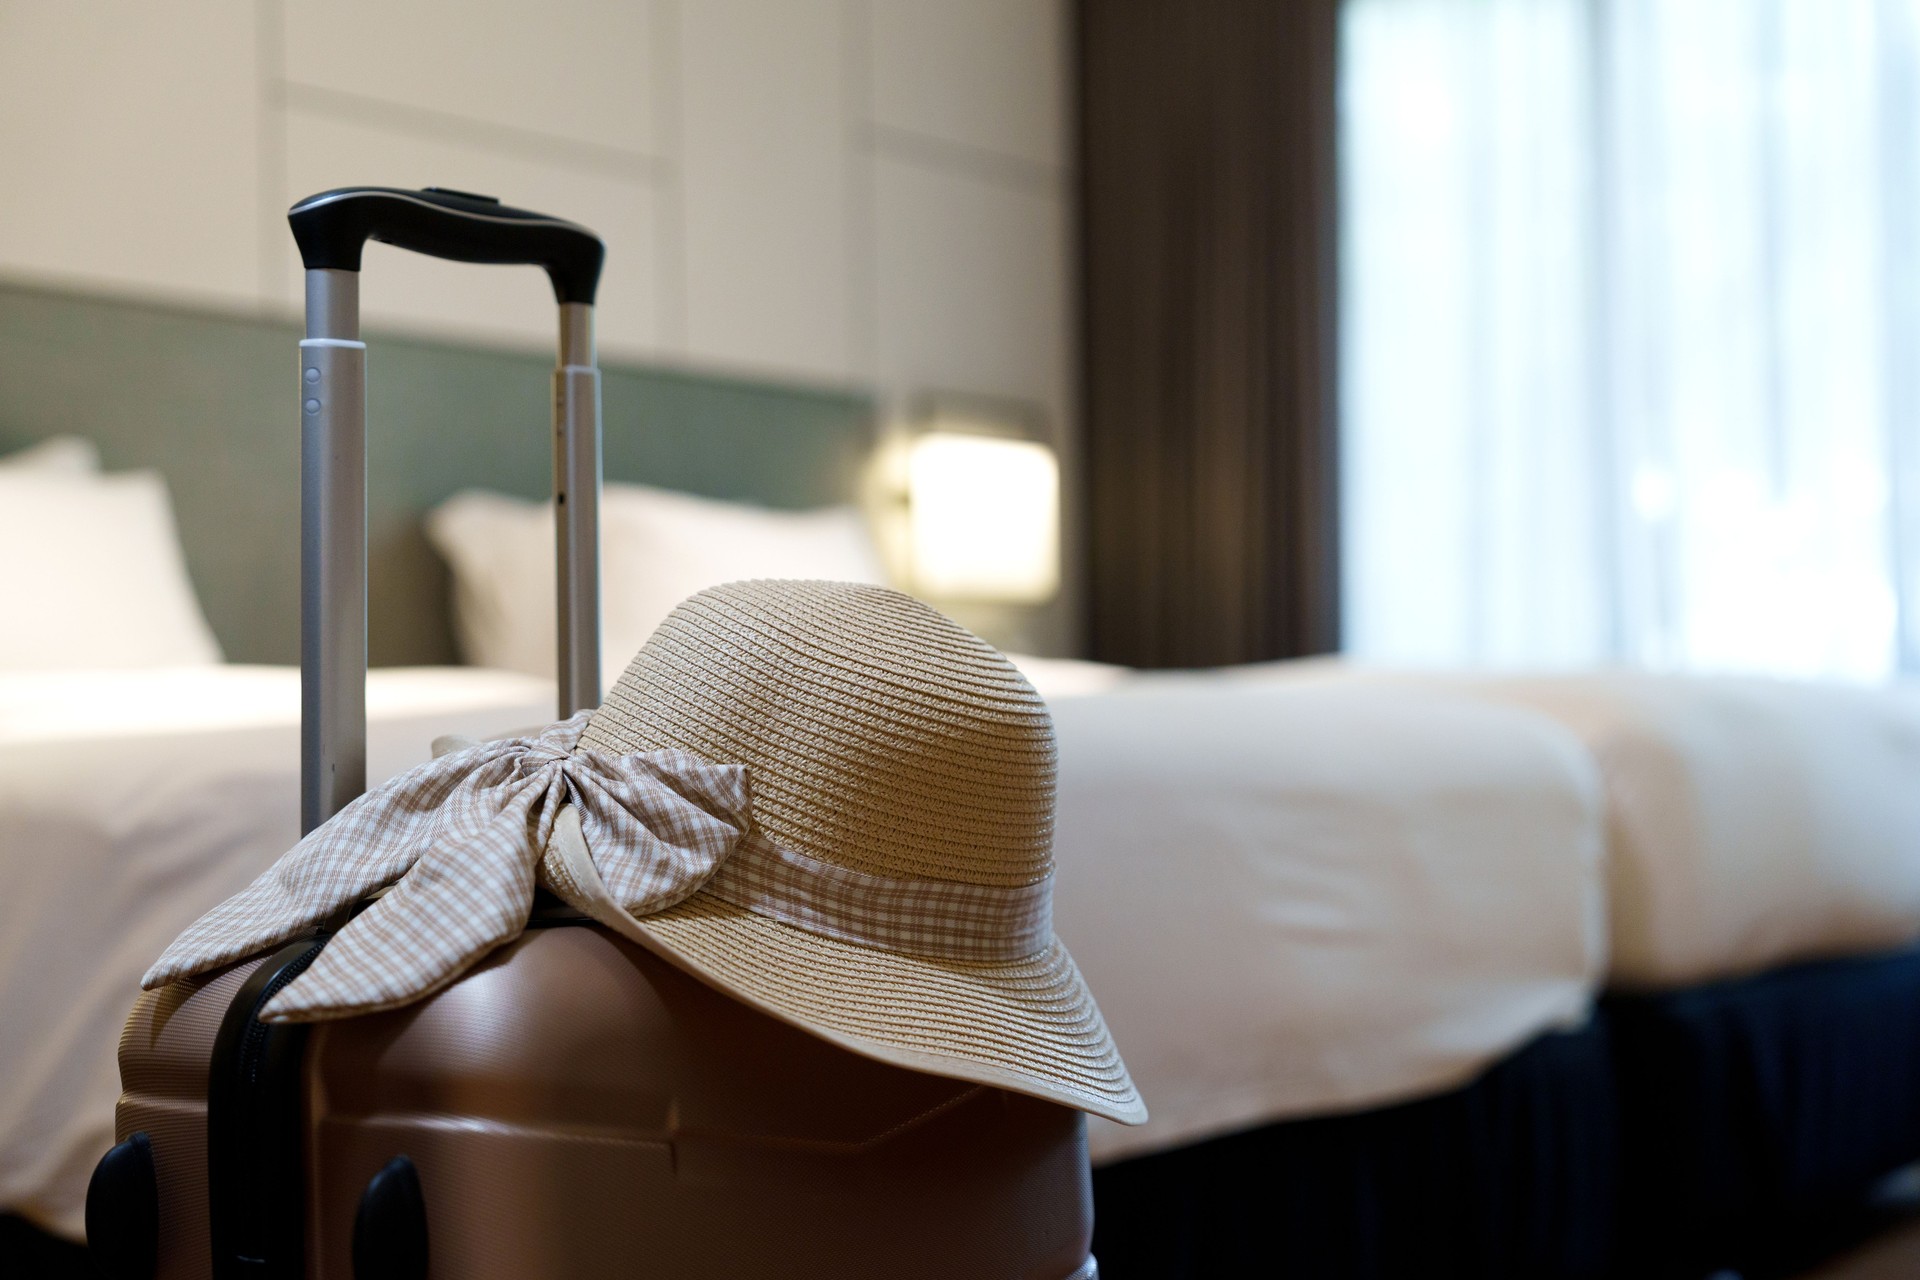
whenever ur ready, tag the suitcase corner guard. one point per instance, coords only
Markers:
(390, 1229)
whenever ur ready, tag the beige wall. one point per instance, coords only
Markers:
(866, 192)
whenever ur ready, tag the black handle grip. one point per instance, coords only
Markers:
(334, 226)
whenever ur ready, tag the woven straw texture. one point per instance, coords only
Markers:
(881, 737)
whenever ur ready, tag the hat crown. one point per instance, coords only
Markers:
(879, 735)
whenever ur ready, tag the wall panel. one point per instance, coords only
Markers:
(958, 256)
(985, 74)
(764, 166)
(568, 69)
(131, 140)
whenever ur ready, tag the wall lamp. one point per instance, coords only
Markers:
(983, 515)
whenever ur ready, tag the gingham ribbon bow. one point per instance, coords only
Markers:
(458, 843)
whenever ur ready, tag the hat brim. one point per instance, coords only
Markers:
(1029, 1026)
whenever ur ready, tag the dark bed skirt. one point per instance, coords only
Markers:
(1512, 1176)
(1760, 1115)
(1739, 1125)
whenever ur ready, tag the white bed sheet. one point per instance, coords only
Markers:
(130, 802)
(1751, 822)
(1316, 893)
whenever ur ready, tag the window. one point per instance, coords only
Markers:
(1631, 333)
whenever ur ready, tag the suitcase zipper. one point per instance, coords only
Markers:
(256, 1196)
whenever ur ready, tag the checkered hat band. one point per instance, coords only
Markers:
(933, 919)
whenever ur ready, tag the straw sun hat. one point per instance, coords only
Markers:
(902, 790)
(826, 800)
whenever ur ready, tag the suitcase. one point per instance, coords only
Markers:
(573, 1106)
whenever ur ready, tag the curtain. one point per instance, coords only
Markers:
(1207, 219)
(1630, 349)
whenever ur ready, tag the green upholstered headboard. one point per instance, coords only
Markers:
(211, 402)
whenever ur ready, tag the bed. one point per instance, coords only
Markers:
(1411, 969)
(1740, 1093)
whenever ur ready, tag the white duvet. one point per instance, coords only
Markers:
(1317, 893)
(1751, 823)
(130, 802)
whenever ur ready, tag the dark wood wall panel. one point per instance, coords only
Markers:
(1208, 288)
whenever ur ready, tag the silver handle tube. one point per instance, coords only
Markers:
(333, 548)
(333, 535)
(576, 509)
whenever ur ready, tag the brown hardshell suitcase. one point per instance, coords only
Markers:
(573, 1106)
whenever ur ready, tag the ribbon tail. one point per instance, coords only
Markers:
(366, 846)
(470, 893)
(309, 884)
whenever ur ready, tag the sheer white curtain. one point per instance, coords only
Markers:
(1631, 333)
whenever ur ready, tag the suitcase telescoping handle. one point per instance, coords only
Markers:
(332, 228)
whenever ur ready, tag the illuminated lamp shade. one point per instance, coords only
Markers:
(983, 518)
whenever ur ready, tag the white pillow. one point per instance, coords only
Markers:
(92, 575)
(60, 455)
(656, 549)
